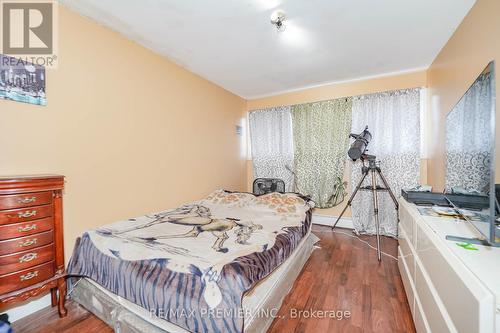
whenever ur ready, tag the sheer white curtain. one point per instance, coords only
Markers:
(272, 144)
(468, 139)
(393, 118)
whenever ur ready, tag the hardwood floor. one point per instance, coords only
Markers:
(344, 275)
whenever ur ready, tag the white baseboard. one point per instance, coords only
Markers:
(329, 220)
(28, 308)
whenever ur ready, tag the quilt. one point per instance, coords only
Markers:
(192, 265)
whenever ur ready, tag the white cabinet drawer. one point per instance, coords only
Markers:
(407, 252)
(435, 313)
(407, 281)
(461, 303)
(419, 318)
(407, 223)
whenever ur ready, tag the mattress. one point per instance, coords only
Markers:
(260, 304)
(192, 265)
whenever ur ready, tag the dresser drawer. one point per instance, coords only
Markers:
(26, 277)
(31, 240)
(25, 214)
(448, 286)
(22, 260)
(25, 243)
(25, 200)
(8, 231)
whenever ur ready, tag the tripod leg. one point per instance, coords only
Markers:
(393, 197)
(351, 198)
(375, 211)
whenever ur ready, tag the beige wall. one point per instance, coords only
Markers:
(353, 88)
(475, 43)
(131, 131)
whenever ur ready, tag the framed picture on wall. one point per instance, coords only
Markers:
(22, 81)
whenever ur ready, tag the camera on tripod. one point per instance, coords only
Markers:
(357, 151)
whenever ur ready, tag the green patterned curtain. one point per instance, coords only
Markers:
(320, 135)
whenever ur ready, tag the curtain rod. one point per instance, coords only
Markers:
(388, 92)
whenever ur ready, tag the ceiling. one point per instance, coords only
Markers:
(233, 44)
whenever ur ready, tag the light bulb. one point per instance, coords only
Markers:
(278, 19)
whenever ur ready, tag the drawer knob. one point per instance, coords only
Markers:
(26, 200)
(28, 276)
(28, 257)
(28, 242)
(27, 228)
(26, 214)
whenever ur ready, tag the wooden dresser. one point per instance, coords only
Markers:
(31, 239)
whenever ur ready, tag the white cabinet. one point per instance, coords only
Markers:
(445, 293)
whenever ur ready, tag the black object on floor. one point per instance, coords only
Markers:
(5, 324)
(4, 318)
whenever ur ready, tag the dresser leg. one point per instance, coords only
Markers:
(53, 296)
(61, 286)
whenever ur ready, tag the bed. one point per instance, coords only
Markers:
(220, 264)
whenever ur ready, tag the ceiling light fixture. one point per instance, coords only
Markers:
(278, 20)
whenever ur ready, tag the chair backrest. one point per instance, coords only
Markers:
(268, 185)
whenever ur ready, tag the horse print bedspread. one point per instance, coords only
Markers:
(192, 265)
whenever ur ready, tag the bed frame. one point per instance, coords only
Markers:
(126, 317)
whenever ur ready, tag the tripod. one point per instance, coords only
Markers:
(374, 170)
